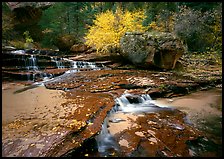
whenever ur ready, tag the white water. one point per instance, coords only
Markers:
(34, 72)
(59, 63)
(18, 52)
(105, 140)
(139, 104)
(31, 64)
(75, 65)
(127, 103)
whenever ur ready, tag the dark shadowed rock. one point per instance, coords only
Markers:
(25, 17)
(65, 42)
(152, 49)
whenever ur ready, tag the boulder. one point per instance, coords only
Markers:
(79, 48)
(43, 5)
(65, 42)
(152, 49)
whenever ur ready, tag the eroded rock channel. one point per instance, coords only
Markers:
(90, 110)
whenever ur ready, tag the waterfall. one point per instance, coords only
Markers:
(84, 64)
(32, 63)
(28, 76)
(75, 65)
(135, 103)
(18, 51)
(126, 103)
(106, 141)
(59, 63)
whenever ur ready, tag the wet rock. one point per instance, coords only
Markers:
(89, 97)
(62, 127)
(93, 109)
(152, 48)
(79, 48)
(8, 48)
(155, 130)
(140, 82)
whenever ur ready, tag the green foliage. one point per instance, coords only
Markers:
(51, 23)
(199, 24)
(7, 23)
(162, 86)
(200, 30)
(28, 38)
(65, 18)
(159, 11)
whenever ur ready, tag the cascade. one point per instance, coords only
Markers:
(105, 140)
(59, 63)
(18, 52)
(127, 103)
(32, 63)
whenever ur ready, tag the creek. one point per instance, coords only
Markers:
(135, 125)
(28, 65)
(202, 112)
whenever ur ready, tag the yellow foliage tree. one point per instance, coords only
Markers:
(163, 26)
(109, 27)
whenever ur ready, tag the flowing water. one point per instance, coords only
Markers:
(34, 67)
(126, 106)
(209, 123)
(37, 67)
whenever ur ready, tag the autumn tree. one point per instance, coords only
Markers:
(109, 27)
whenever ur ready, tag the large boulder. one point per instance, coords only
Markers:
(65, 42)
(152, 49)
(79, 48)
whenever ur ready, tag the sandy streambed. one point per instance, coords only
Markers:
(39, 102)
(200, 106)
(29, 119)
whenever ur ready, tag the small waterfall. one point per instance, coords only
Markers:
(127, 103)
(59, 63)
(28, 77)
(32, 63)
(18, 51)
(106, 141)
(84, 64)
(34, 75)
(75, 65)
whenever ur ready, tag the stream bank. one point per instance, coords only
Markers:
(74, 118)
